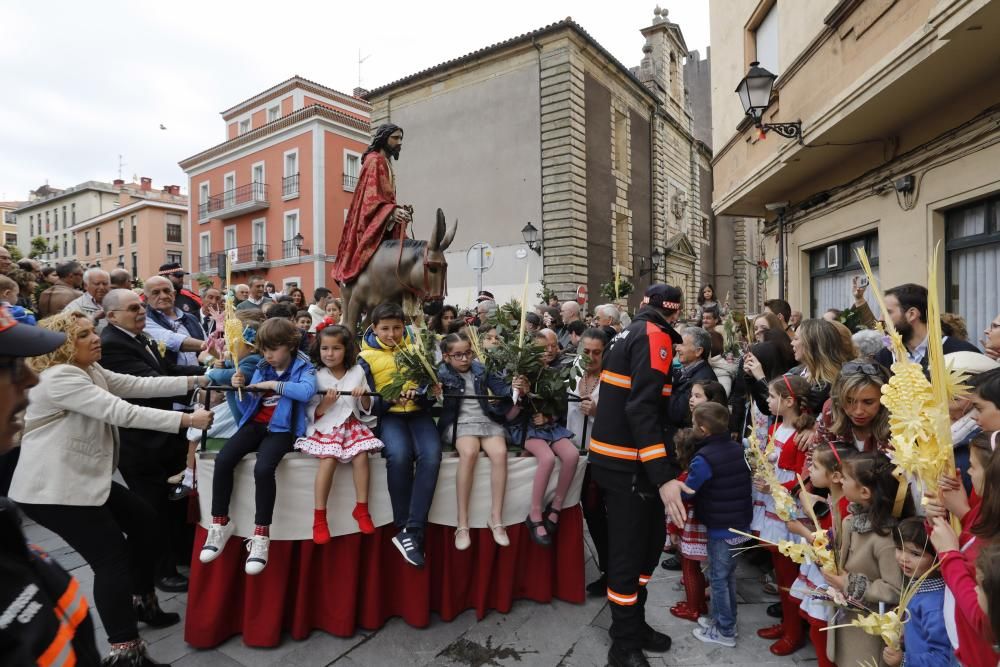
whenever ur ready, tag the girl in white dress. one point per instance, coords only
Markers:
(336, 430)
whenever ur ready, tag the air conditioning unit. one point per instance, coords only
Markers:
(832, 256)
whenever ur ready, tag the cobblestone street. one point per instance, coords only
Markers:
(531, 635)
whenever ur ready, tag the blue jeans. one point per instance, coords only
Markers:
(722, 581)
(411, 438)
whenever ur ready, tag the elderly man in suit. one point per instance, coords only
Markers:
(148, 458)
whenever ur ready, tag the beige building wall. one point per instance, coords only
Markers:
(63, 211)
(899, 109)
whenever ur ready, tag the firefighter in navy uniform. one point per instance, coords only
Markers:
(44, 617)
(43, 614)
(635, 468)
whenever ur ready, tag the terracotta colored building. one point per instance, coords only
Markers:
(274, 195)
(146, 229)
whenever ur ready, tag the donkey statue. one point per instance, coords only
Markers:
(412, 273)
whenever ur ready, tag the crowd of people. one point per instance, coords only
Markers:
(664, 406)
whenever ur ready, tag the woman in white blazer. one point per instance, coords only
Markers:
(63, 478)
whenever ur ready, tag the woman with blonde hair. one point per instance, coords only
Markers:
(69, 452)
(821, 350)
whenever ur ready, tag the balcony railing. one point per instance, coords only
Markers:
(290, 186)
(244, 199)
(242, 258)
(289, 250)
(350, 182)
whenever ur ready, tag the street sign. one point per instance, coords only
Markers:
(480, 259)
(581, 294)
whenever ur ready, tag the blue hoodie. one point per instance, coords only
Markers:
(295, 387)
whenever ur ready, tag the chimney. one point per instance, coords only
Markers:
(166, 189)
(118, 183)
(145, 183)
(175, 190)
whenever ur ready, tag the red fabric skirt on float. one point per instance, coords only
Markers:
(361, 581)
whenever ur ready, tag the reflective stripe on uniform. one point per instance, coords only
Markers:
(624, 600)
(616, 379)
(644, 579)
(71, 610)
(652, 452)
(613, 451)
(667, 390)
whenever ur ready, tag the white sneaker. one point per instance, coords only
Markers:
(257, 560)
(711, 635)
(706, 622)
(218, 535)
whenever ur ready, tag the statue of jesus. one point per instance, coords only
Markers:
(374, 215)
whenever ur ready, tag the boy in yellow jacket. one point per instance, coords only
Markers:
(408, 432)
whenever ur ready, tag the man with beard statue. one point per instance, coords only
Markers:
(374, 215)
(635, 468)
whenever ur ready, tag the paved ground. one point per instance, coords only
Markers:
(557, 634)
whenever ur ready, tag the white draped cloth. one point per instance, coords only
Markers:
(293, 509)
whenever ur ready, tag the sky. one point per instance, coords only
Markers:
(86, 82)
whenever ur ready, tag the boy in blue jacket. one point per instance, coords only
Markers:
(723, 485)
(272, 417)
(925, 637)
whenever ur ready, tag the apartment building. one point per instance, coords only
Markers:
(273, 196)
(899, 105)
(8, 222)
(51, 213)
(147, 228)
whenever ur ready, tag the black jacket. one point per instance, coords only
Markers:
(949, 344)
(140, 356)
(41, 602)
(635, 393)
(684, 379)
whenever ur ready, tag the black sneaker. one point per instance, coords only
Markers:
(409, 546)
(774, 610)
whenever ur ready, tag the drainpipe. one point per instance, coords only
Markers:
(781, 255)
(541, 222)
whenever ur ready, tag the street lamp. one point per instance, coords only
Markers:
(755, 96)
(298, 239)
(654, 263)
(530, 235)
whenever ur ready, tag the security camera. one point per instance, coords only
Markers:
(777, 205)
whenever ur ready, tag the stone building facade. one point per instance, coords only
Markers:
(550, 127)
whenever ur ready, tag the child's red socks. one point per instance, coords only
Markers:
(364, 519)
(321, 532)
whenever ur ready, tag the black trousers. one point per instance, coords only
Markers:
(636, 531)
(596, 514)
(146, 469)
(123, 564)
(270, 448)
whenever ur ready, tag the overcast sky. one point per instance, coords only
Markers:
(85, 82)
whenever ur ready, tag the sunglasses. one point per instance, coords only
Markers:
(863, 368)
(135, 308)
